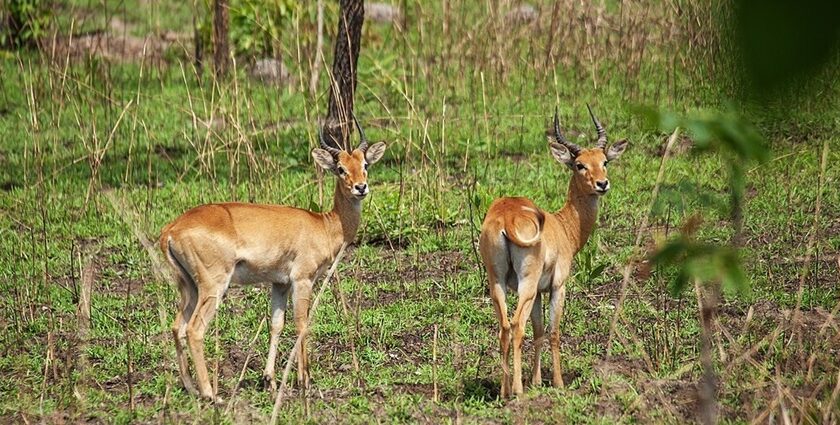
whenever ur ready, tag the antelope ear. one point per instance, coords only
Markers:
(324, 159)
(561, 153)
(616, 149)
(374, 152)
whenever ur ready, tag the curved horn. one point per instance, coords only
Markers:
(333, 151)
(602, 133)
(558, 136)
(363, 145)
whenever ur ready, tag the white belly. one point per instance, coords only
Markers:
(244, 274)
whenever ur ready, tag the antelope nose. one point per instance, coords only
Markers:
(361, 188)
(603, 184)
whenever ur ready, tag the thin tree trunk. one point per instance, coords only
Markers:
(707, 389)
(197, 46)
(221, 49)
(319, 45)
(709, 383)
(343, 79)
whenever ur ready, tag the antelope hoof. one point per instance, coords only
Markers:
(189, 387)
(305, 384)
(505, 390)
(268, 383)
(212, 398)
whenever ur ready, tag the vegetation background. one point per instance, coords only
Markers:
(714, 265)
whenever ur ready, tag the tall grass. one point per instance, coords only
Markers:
(462, 92)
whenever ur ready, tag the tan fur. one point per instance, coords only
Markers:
(211, 246)
(532, 259)
(525, 222)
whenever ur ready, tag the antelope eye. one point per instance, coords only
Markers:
(366, 165)
(341, 171)
(580, 167)
(605, 163)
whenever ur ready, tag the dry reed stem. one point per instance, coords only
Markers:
(129, 361)
(49, 357)
(345, 309)
(244, 367)
(434, 364)
(161, 272)
(796, 317)
(657, 388)
(795, 320)
(319, 43)
(83, 309)
(794, 323)
(827, 410)
(628, 268)
(131, 218)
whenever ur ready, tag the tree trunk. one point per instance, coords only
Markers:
(338, 126)
(198, 47)
(221, 49)
(319, 45)
(708, 387)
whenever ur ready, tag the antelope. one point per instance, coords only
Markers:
(530, 251)
(213, 245)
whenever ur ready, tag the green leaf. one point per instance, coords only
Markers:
(679, 283)
(314, 206)
(733, 278)
(597, 271)
(671, 252)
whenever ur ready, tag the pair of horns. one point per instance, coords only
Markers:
(573, 148)
(335, 151)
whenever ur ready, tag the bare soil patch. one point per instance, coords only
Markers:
(116, 44)
(412, 268)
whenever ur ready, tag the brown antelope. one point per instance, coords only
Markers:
(530, 251)
(211, 246)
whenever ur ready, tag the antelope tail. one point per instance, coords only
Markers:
(524, 228)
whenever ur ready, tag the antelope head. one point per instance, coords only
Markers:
(350, 167)
(589, 165)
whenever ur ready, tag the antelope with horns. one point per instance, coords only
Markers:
(211, 246)
(530, 251)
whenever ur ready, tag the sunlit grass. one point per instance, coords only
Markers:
(414, 266)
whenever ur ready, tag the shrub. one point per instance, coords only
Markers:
(23, 22)
(255, 25)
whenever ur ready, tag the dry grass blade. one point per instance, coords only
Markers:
(87, 277)
(132, 219)
(120, 101)
(244, 366)
(628, 268)
(434, 364)
(830, 416)
(797, 314)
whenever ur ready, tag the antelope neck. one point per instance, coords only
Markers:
(346, 215)
(578, 215)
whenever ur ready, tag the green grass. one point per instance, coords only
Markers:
(414, 265)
